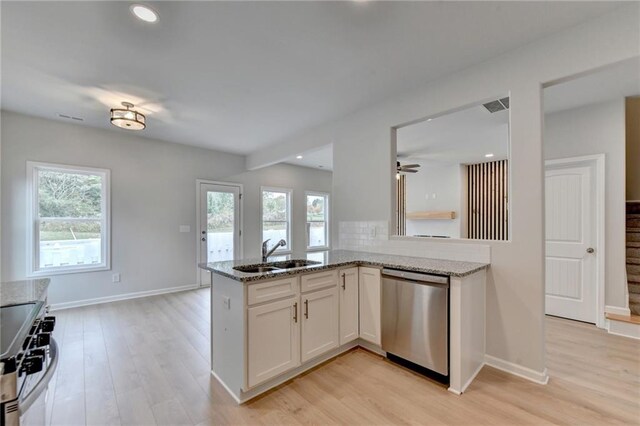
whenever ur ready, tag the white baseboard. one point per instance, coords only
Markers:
(224, 385)
(542, 378)
(117, 297)
(617, 310)
(623, 328)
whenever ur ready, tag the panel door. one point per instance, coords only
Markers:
(319, 319)
(349, 319)
(273, 344)
(570, 238)
(370, 284)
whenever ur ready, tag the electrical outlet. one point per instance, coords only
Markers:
(226, 302)
(115, 278)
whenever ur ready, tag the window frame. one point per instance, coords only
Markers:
(289, 222)
(33, 219)
(327, 220)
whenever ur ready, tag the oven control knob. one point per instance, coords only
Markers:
(38, 352)
(31, 364)
(47, 325)
(41, 339)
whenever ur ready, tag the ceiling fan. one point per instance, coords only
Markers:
(406, 168)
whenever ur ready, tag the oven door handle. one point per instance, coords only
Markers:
(37, 390)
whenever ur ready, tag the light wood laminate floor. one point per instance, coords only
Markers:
(146, 362)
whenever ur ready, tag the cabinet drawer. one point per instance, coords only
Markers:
(319, 280)
(271, 290)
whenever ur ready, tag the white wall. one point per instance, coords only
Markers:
(598, 129)
(364, 163)
(443, 182)
(153, 192)
(299, 179)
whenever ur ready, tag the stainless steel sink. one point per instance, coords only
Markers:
(252, 269)
(289, 264)
(274, 266)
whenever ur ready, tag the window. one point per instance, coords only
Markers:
(276, 216)
(317, 220)
(68, 219)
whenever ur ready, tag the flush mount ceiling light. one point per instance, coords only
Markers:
(488, 155)
(299, 157)
(144, 13)
(128, 118)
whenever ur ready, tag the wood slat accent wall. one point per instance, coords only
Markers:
(401, 205)
(488, 202)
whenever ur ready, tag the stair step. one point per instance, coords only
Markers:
(633, 318)
(633, 230)
(633, 208)
(634, 298)
(633, 236)
(633, 244)
(633, 252)
(634, 287)
(633, 269)
(633, 261)
(632, 278)
(633, 221)
(634, 308)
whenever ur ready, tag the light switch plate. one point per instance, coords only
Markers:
(115, 278)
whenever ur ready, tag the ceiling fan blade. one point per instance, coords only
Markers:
(409, 171)
(412, 166)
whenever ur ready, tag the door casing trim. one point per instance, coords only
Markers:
(598, 161)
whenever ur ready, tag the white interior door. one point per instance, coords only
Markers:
(570, 241)
(219, 231)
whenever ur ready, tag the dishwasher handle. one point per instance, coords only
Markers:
(417, 277)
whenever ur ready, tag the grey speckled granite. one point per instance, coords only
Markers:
(340, 258)
(16, 292)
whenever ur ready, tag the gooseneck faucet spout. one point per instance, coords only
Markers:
(265, 253)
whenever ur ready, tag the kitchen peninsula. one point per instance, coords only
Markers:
(272, 321)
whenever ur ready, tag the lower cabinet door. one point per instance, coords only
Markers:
(370, 289)
(348, 289)
(273, 344)
(319, 316)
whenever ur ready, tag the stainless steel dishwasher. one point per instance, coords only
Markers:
(415, 319)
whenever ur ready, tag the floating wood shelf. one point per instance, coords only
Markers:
(430, 215)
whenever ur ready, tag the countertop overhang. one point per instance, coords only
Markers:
(341, 258)
(24, 291)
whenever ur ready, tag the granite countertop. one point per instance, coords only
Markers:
(16, 292)
(341, 258)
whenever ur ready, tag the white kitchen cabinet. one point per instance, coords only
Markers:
(273, 339)
(370, 289)
(319, 321)
(348, 290)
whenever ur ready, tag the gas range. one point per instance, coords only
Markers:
(28, 354)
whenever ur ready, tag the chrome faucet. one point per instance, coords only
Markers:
(265, 253)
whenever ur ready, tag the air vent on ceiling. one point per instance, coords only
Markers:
(70, 117)
(497, 105)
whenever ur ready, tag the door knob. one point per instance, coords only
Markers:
(590, 250)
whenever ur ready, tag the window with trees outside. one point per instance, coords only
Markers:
(317, 220)
(68, 219)
(276, 216)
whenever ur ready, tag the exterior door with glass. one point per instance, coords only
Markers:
(219, 231)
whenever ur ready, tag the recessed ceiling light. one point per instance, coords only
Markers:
(429, 119)
(488, 155)
(144, 13)
(299, 157)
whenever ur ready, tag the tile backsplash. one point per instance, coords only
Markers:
(373, 236)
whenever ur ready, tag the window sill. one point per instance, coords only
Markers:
(67, 271)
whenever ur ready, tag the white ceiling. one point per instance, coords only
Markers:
(613, 82)
(462, 137)
(236, 76)
(318, 158)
